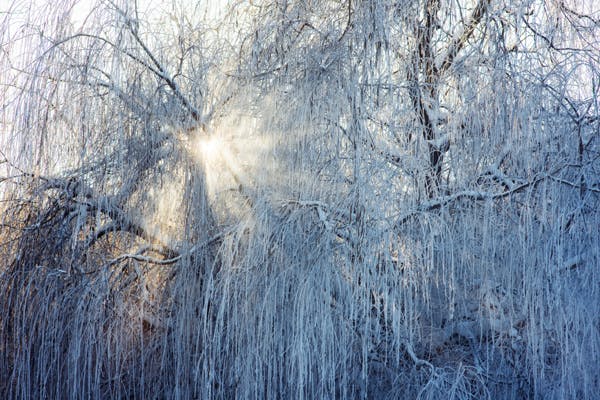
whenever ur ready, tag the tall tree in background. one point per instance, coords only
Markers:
(305, 199)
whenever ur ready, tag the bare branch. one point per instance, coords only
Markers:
(457, 45)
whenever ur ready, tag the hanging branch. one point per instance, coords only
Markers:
(159, 69)
(77, 193)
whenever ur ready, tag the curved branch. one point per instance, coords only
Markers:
(157, 69)
(138, 256)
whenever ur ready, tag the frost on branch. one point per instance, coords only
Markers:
(292, 199)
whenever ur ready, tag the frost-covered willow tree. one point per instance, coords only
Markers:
(300, 199)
